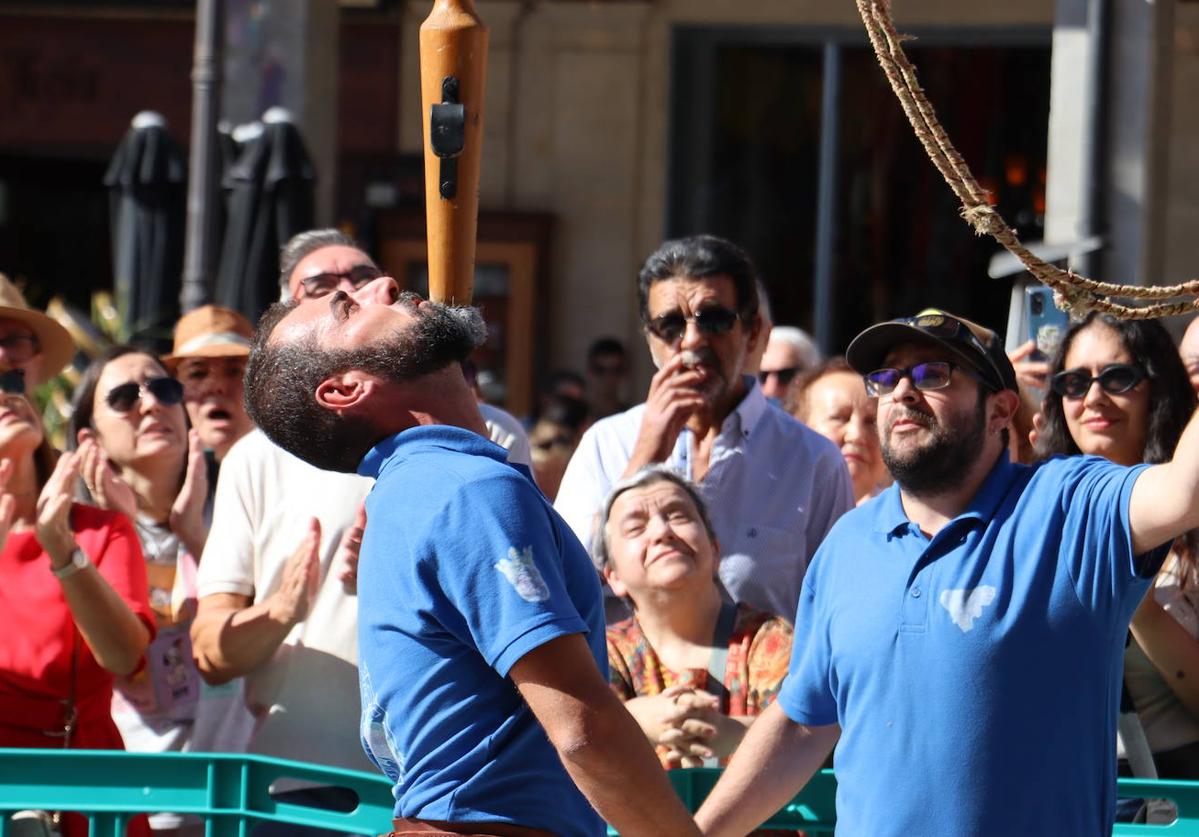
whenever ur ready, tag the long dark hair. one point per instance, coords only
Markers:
(1171, 399)
(1171, 403)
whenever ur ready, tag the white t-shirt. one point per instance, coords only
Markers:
(306, 697)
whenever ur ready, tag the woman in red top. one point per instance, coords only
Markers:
(73, 604)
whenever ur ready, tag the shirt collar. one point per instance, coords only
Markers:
(890, 516)
(395, 449)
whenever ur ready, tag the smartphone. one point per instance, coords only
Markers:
(1046, 323)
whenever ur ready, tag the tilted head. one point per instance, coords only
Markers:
(329, 377)
(947, 393)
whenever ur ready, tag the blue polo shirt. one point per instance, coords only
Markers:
(976, 675)
(464, 569)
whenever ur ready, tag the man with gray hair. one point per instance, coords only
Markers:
(482, 643)
(789, 351)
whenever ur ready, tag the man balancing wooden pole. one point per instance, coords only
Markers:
(483, 660)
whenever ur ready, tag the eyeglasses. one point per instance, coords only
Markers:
(935, 374)
(166, 391)
(12, 382)
(785, 376)
(711, 321)
(323, 284)
(1113, 379)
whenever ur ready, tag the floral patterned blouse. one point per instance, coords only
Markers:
(759, 653)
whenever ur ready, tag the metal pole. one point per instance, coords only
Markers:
(203, 177)
(826, 199)
(1094, 172)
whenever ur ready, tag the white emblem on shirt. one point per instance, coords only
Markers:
(965, 606)
(523, 575)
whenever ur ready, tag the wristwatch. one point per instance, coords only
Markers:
(78, 561)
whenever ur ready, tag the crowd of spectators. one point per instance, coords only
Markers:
(174, 581)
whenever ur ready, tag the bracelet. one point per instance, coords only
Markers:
(79, 561)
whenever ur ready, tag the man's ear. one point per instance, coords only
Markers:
(1004, 406)
(345, 390)
(614, 581)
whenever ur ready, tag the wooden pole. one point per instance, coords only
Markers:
(453, 58)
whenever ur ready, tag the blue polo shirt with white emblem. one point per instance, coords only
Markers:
(976, 675)
(464, 569)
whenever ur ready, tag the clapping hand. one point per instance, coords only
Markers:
(301, 579)
(54, 511)
(348, 549)
(108, 490)
(187, 512)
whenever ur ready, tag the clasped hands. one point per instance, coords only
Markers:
(689, 724)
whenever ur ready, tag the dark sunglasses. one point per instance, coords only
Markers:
(1113, 379)
(785, 376)
(711, 321)
(166, 391)
(325, 283)
(935, 374)
(12, 382)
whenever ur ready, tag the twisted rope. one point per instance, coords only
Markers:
(1072, 292)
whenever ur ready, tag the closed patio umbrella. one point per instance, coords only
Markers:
(147, 189)
(271, 196)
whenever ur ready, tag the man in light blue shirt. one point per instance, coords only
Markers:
(774, 486)
(482, 654)
(962, 634)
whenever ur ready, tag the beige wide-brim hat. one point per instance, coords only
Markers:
(54, 342)
(210, 331)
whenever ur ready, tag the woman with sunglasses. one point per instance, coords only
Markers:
(73, 606)
(1119, 390)
(136, 456)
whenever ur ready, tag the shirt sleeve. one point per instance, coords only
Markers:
(1097, 538)
(832, 498)
(227, 565)
(120, 562)
(769, 658)
(583, 489)
(807, 694)
(504, 577)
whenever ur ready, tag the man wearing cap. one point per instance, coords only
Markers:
(29, 340)
(962, 633)
(209, 359)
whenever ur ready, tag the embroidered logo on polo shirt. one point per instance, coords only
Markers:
(965, 606)
(523, 575)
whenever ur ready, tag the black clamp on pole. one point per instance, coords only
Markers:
(447, 135)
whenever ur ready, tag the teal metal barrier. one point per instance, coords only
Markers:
(232, 793)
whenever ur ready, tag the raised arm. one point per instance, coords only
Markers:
(600, 744)
(775, 760)
(1165, 499)
(232, 637)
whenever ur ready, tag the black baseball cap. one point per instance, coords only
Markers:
(973, 345)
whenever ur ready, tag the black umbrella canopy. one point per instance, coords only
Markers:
(147, 190)
(271, 193)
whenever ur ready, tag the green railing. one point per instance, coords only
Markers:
(232, 793)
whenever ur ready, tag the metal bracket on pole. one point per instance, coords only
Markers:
(447, 135)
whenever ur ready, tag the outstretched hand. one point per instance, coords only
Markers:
(347, 551)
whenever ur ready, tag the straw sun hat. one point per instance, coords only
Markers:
(210, 331)
(54, 342)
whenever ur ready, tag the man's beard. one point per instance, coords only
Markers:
(943, 463)
(440, 335)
